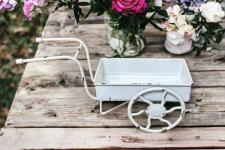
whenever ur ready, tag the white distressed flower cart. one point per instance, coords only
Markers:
(134, 80)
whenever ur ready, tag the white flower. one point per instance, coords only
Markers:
(212, 11)
(181, 20)
(158, 3)
(173, 12)
(186, 30)
(176, 10)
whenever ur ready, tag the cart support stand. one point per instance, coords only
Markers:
(111, 109)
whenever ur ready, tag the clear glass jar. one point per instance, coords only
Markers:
(124, 44)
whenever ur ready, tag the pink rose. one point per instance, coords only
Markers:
(129, 6)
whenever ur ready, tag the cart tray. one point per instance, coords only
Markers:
(119, 79)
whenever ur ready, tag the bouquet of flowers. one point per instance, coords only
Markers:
(127, 19)
(190, 24)
(198, 22)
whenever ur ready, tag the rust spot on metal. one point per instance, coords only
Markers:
(165, 130)
(131, 139)
(135, 83)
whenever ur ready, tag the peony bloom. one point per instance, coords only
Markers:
(7, 5)
(129, 6)
(29, 6)
(212, 11)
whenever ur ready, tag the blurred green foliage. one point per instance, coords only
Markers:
(17, 40)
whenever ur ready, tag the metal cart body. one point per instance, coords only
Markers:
(134, 80)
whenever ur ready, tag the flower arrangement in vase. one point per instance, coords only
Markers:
(179, 31)
(198, 22)
(190, 24)
(126, 21)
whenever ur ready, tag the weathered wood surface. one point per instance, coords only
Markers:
(94, 138)
(71, 107)
(51, 97)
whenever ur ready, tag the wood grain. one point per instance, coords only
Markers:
(71, 107)
(111, 138)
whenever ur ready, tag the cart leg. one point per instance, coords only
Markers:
(111, 109)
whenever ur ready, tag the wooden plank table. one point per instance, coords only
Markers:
(51, 109)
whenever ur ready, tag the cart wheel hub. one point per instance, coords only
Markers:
(156, 111)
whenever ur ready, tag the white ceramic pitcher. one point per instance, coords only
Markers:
(177, 44)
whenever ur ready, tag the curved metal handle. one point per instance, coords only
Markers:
(82, 44)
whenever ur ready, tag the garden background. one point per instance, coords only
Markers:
(17, 40)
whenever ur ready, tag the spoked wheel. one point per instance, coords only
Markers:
(156, 111)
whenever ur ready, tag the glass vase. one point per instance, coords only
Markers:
(124, 44)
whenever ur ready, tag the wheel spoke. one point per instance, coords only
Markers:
(166, 121)
(163, 98)
(138, 113)
(173, 109)
(149, 123)
(145, 100)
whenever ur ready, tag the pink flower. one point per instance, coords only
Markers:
(165, 25)
(27, 9)
(7, 5)
(29, 6)
(129, 6)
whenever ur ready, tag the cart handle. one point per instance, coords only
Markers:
(82, 44)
